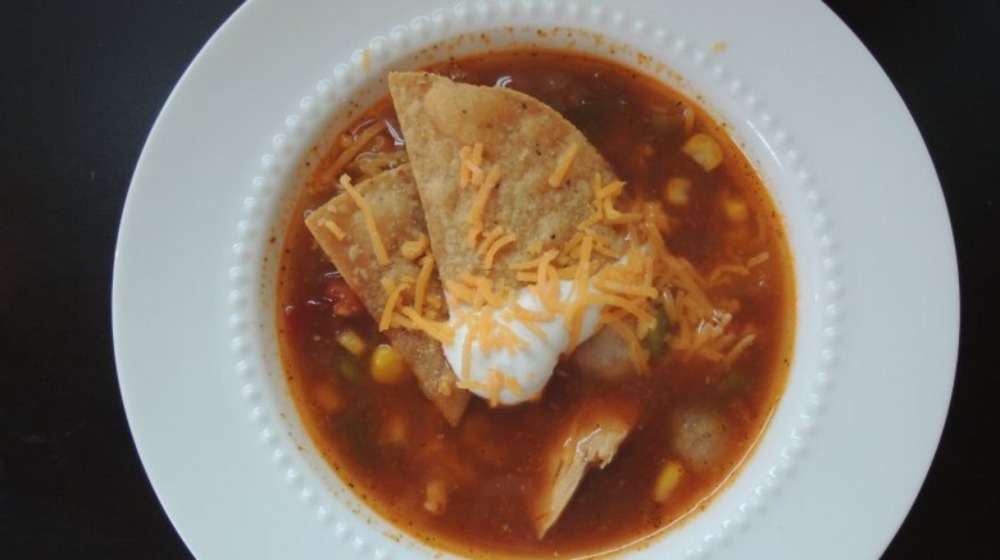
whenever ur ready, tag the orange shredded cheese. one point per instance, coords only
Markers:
(412, 250)
(400, 320)
(437, 330)
(484, 290)
(461, 292)
(470, 160)
(390, 303)
(489, 238)
(420, 292)
(381, 255)
(542, 272)
(629, 305)
(533, 264)
(617, 261)
(477, 154)
(562, 167)
(466, 355)
(576, 311)
(334, 229)
(526, 277)
(611, 190)
(513, 385)
(613, 216)
(534, 328)
(495, 380)
(434, 301)
(475, 216)
(463, 171)
(528, 316)
(500, 243)
(353, 146)
(615, 286)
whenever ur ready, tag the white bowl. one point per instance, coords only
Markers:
(202, 230)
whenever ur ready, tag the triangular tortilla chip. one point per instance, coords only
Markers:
(525, 138)
(395, 206)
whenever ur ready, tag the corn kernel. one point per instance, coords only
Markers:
(667, 481)
(394, 429)
(678, 191)
(736, 210)
(387, 366)
(436, 498)
(328, 399)
(704, 150)
(351, 342)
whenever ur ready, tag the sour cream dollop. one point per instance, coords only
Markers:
(524, 372)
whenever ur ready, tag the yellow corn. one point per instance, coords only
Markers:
(387, 366)
(670, 476)
(736, 210)
(327, 397)
(703, 149)
(677, 191)
(351, 342)
(437, 497)
(394, 429)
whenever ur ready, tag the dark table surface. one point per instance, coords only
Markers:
(80, 86)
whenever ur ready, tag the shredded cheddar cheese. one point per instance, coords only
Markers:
(334, 229)
(412, 250)
(467, 356)
(470, 160)
(381, 255)
(464, 154)
(354, 146)
(420, 292)
(616, 261)
(507, 239)
(489, 238)
(390, 304)
(475, 216)
(461, 292)
(513, 385)
(562, 167)
(575, 315)
(435, 329)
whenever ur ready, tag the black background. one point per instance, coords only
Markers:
(80, 86)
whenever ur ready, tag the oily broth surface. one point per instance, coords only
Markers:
(387, 442)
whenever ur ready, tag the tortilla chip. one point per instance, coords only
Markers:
(525, 138)
(395, 205)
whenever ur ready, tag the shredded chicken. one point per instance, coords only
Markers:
(593, 439)
(604, 356)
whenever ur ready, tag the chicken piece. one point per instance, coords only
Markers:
(700, 436)
(592, 439)
(605, 355)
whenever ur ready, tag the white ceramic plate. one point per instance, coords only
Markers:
(193, 296)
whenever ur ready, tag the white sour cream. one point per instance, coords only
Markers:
(531, 366)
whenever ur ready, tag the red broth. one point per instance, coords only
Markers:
(701, 415)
